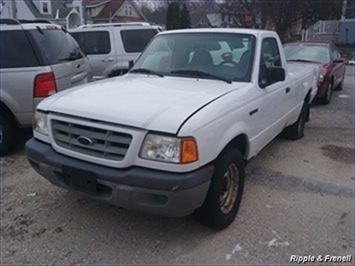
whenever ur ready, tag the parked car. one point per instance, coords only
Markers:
(37, 60)
(351, 61)
(172, 136)
(110, 47)
(327, 57)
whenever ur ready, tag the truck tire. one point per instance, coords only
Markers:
(8, 135)
(296, 131)
(225, 193)
(325, 99)
(340, 86)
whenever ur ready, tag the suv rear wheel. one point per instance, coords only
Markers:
(8, 135)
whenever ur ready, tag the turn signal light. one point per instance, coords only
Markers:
(189, 152)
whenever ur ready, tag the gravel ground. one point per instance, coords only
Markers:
(299, 200)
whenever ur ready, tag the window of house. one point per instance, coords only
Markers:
(45, 8)
(130, 13)
(126, 10)
(89, 12)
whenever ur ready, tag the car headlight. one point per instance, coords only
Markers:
(169, 149)
(40, 123)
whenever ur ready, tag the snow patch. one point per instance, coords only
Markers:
(277, 242)
(236, 249)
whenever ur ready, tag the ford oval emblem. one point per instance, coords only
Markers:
(84, 140)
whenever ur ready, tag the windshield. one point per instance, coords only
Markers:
(206, 55)
(308, 53)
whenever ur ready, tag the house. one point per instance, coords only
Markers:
(67, 13)
(106, 11)
(338, 31)
(222, 15)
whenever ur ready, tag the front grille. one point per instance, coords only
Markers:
(105, 144)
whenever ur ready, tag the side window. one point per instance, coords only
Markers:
(270, 57)
(334, 52)
(15, 50)
(134, 41)
(97, 42)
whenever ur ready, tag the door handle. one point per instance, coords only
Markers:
(253, 112)
(107, 60)
(288, 89)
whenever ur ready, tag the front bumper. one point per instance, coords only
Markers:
(147, 190)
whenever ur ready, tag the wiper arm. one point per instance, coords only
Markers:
(146, 71)
(199, 73)
(302, 60)
(69, 59)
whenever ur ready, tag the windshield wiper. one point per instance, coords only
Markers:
(200, 74)
(69, 59)
(302, 60)
(146, 71)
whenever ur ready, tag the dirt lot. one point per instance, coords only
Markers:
(299, 200)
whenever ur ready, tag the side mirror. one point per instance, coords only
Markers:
(130, 64)
(273, 75)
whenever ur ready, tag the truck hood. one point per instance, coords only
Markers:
(147, 102)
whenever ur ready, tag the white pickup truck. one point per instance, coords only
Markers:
(173, 135)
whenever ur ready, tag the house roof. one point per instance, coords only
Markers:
(61, 5)
(110, 9)
(93, 3)
(113, 6)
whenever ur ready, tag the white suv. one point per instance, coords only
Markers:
(110, 47)
(37, 59)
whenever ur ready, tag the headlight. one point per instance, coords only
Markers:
(169, 149)
(40, 124)
(321, 78)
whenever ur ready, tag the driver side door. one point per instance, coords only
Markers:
(272, 101)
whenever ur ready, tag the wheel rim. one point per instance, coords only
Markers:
(229, 191)
(1, 136)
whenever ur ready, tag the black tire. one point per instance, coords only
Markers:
(212, 213)
(296, 131)
(325, 100)
(340, 86)
(8, 135)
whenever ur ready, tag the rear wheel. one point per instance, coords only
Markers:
(325, 100)
(296, 131)
(340, 86)
(225, 193)
(8, 135)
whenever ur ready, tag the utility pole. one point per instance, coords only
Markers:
(345, 7)
(14, 9)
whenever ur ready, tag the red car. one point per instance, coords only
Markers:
(331, 65)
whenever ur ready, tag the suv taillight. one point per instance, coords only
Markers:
(44, 85)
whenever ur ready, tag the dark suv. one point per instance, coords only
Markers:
(37, 59)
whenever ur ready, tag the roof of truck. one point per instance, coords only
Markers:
(218, 30)
(309, 43)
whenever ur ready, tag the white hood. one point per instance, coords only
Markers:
(148, 102)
